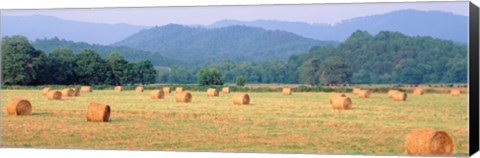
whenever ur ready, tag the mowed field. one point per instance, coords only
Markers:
(299, 123)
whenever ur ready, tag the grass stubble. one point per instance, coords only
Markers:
(273, 123)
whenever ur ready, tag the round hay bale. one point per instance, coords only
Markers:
(183, 97)
(429, 142)
(178, 89)
(19, 106)
(363, 93)
(287, 91)
(399, 96)
(45, 91)
(139, 89)
(212, 92)
(391, 92)
(157, 94)
(68, 92)
(342, 103)
(118, 88)
(226, 90)
(334, 95)
(455, 92)
(98, 112)
(77, 92)
(86, 89)
(355, 90)
(418, 91)
(54, 95)
(167, 90)
(241, 99)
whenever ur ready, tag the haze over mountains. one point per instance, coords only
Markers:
(254, 41)
(410, 22)
(240, 43)
(39, 27)
(48, 45)
(437, 24)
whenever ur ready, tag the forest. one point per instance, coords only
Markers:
(384, 58)
(47, 45)
(22, 64)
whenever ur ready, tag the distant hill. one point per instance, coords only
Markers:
(196, 45)
(39, 27)
(130, 54)
(410, 22)
(393, 58)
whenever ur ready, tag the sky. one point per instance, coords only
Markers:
(316, 13)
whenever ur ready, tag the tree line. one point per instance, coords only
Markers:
(386, 58)
(22, 64)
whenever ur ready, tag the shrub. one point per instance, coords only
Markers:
(240, 81)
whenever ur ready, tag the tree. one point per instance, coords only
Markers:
(90, 68)
(116, 66)
(309, 72)
(162, 75)
(240, 81)
(129, 74)
(334, 71)
(210, 76)
(62, 63)
(144, 71)
(20, 61)
(181, 75)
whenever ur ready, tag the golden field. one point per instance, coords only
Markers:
(298, 123)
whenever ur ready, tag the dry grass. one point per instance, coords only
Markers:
(303, 123)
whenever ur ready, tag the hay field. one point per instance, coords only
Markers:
(300, 123)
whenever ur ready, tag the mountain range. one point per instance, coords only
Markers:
(39, 27)
(255, 41)
(410, 22)
(198, 45)
(436, 24)
(130, 54)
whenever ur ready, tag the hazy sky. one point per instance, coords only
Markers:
(318, 13)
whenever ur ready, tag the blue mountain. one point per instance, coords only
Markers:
(39, 27)
(410, 22)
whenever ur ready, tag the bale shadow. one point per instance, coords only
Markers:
(117, 120)
(42, 114)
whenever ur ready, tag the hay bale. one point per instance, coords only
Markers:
(77, 92)
(241, 99)
(19, 106)
(118, 88)
(226, 90)
(68, 92)
(355, 90)
(98, 112)
(334, 95)
(418, 91)
(183, 97)
(455, 92)
(167, 90)
(178, 89)
(54, 95)
(429, 142)
(139, 89)
(363, 93)
(399, 96)
(287, 91)
(157, 94)
(342, 103)
(45, 91)
(212, 92)
(391, 92)
(86, 89)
